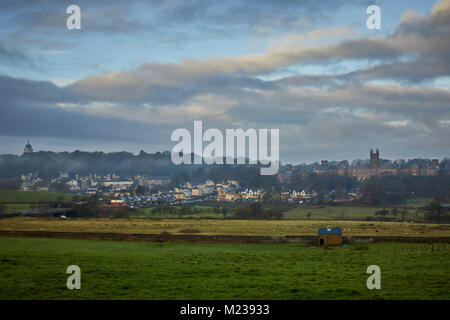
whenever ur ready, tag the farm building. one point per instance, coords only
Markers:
(330, 236)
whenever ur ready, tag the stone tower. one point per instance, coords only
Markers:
(374, 159)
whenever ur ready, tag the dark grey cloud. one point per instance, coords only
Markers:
(178, 87)
(415, 71)
(312, 122)
(35, 92)
(12, 56)
(31, 108)
(126, 16)
(95, 17)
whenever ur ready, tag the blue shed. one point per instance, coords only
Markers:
(330, 237)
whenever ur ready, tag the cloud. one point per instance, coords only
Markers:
(416, 51)
(36, 108)
(126, 17)
(386, 98)
(12, 56)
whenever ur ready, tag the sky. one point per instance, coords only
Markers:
(137, 70)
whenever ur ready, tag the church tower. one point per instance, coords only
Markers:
(28, 148)
(374, 158)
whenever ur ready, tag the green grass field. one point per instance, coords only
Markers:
(31, 196)
(203, 210)
(25, 199)
(417, 202)
(300, 212)
(36, 269)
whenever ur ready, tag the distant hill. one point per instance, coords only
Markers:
(49, 164)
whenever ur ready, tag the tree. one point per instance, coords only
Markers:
(278, 215)
(381, 213)
(434, 211)
(394, 212)
(60, 200)
(183, 211)
(243, 213)
(251, 211)
(373, 193)
(224, 212)
(273, 213)
(403, 213)
(320, 199)
(271, 197)
(257, 211)
(87, 209)
(156, 210)
(59, 187)
(141, 189)
(385, 192)
(120, 213)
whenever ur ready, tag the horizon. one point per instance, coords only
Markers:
(282, 162)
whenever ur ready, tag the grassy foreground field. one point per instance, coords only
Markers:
(224, 227)
(36, 269)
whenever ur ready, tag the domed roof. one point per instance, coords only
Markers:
(28, 145)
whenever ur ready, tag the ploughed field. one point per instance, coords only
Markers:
(224, 227)
(36, 269)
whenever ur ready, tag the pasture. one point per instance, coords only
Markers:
(16, 200)
(224, 227)
(32, 196)
(36, 269)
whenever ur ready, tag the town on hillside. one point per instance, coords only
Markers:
(138, 191)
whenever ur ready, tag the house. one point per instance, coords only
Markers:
(253, 195)
(120, 202)
(330, 236)
(197, 192)
(119, 184)
(151, 181)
